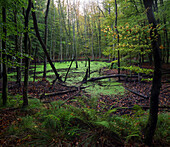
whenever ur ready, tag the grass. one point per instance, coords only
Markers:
(76, 75)
(64, 65)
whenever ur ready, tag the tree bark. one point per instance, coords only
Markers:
(35, 64)
(4, 57)
(45, 38)
(137, 93)
(25, 88)
(166, 34)
(43, 46)
(100, 37)
(69, 69)
(18, 80)
(156, 84)
(117, 38)
(61, 30)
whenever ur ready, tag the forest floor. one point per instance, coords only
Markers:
(129, 99)
(62, 92)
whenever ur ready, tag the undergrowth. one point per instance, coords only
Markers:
(66, 125)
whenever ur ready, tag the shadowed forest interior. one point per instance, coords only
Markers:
(90, 73)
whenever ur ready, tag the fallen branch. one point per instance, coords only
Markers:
(143, 107)
(70, 98)
(141, 95)
(85, 77)
(69, 69)
(44, 95)
(105, 77)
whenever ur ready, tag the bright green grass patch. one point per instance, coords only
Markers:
(108, 88)
(76, 75)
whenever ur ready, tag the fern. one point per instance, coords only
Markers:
(51, 122)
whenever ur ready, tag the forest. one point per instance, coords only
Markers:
(84, 73)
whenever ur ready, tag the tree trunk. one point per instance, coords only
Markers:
(25, 88)
(156, 84)
(61, 30)
(43, 46)
(117, 38)
(1, 70)
(4, 57)
(35, 64)
(166, 35)
(18, 80)
(99, 29)
(45, 39)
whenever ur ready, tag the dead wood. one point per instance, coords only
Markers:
(45, 95)
(69, 69)
(137, 93)
(143, 107)
(105, 77)
(85, 77)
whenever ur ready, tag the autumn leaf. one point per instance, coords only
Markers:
(161, 47)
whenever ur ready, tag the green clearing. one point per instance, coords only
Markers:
(105, 86)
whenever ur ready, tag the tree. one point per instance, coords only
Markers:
(25, 88)
(45, 38)
(4, 57)
(118, 52)
(18, 77)
(156, 84)
(43, 46)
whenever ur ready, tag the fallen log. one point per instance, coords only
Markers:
(137, 93)
(142, 106)
(45, 95)
(112, 76)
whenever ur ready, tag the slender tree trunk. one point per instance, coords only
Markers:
(45, 39)
(25, 88)
(99, 28)
(54, 36)
(4, 57)
(85, 29)
(78, 36)
(18, 80)
(35, 64)
(117, 38)
(74, 34)
(156, 84)
(42, 44)
(92, 41)
(61, 31)
(166, 35)
(68, 25)
(1, 70)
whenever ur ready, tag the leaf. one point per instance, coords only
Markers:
(103, 123)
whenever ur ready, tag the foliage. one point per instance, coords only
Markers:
(55, 124)
(137, 69)
(13, 101)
